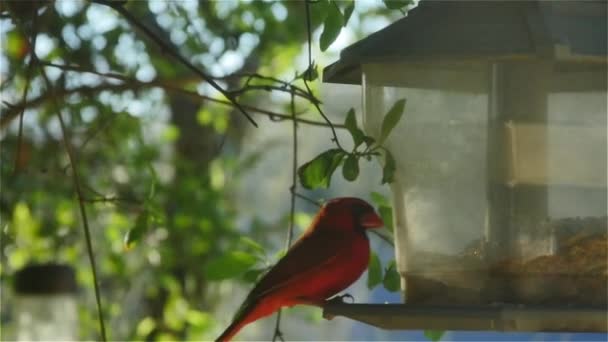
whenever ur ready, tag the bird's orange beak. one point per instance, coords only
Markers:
(371, 220)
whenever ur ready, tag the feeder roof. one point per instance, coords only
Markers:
(573, 31)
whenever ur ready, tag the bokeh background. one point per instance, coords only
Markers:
(187, 202)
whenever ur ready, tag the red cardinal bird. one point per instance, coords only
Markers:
(326, 259)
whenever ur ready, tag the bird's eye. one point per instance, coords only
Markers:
(366, 216)
(360, 209)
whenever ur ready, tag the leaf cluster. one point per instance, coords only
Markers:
(317, 173)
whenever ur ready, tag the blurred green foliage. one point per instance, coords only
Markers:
(159, 166)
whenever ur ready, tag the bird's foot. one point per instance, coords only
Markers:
(340, 299)
(336, 300)
(321, 303)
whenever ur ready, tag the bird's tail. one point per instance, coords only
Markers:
(232, 330)
(244, 316)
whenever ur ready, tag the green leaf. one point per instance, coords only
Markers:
(15, 45)
(434, 335)
(145, 327)
(280, 254)
(171, 133)
(302, 220)
(198, 318)
(134, 234)
(351, 121)
(254, 274)
(152, 189)
(229, 265)
(165, 336)
(384, 209)
(392, 280)
(351, 125)
(332, 26)
(310, 74)
(350, 169)
(175, 311)
(396, 4)
(252, 245)
(386, 213)
(318, 11)
(388, 171)
(391, 119)
(374, 271)
(317, 172)
(379, 199)
(369, 141)
(348, 11)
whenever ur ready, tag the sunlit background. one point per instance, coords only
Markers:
(131, 139)
(209, 183)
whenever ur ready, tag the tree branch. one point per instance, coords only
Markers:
(284, 84)
(309, 200)
(294, 181)
(173, 52)
(294, 171)
(134, 84)
(77, 68)
(383, 237)
(112, 199)
(270, 88)
(309, 38)
(81, 199)
(28, 75)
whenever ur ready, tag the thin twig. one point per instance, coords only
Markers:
(268, 87)
(294, 172)
(100, 128)
(309, 38)
(91, 133)
(383, 237)
(6, 81)
(81, 200)
(111, 199)
(105, 198)
(134, 84)
(331, 125)
(282, 85)
(77, 68)
(294, 179)
(309, 200)
(28, 75)
(173, 52)
(285, 84)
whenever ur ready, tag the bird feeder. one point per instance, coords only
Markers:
(500, 191)
(45, 303)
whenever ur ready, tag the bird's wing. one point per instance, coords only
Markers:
(309, 257)
(322, 262)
